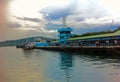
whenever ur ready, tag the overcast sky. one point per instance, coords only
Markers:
(44, 17)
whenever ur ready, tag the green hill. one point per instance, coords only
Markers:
(20, 41)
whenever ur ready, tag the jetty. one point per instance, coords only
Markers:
(88, 49)
(101, 43)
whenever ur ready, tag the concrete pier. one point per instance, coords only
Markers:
(91, 49)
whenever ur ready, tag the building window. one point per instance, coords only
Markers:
(61, 37)
(65, 32)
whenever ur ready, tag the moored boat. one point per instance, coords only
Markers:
(26, 46)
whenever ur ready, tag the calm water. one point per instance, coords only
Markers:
(46, 66)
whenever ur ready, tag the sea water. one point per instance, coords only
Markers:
(49, 66)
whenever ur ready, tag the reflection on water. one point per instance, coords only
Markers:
(66, 64)
(28, 53)
(47, 66)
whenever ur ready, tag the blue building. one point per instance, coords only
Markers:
(64, 34)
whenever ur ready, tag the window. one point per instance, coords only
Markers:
(61, 37)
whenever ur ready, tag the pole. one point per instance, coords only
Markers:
(64, 21)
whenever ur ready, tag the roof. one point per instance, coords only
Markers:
(117, 33)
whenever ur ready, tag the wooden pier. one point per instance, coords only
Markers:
(91, 49)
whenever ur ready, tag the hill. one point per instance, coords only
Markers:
(20, 41)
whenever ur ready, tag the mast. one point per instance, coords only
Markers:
(110, 27)
(111, 24)
(64, 21)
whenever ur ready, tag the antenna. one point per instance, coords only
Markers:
(111, 24)
(109, 29)
(64, 21)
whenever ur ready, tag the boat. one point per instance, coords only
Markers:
(28, 46)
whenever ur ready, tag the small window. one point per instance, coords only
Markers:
(61, 37)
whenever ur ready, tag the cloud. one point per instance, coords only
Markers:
(56, 12)
(27, 22)
(22, 27)
(82, 14)
(14, 25)
(28, 19)
(81, 8)
(44, 17)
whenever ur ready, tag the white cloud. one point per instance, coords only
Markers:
(25, 14)
(91, 22)
(92, 13)
(31, 8)
(112, 6)
(22, 27)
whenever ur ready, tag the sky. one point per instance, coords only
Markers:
(43, 17)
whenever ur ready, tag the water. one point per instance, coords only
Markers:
(48, 66)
